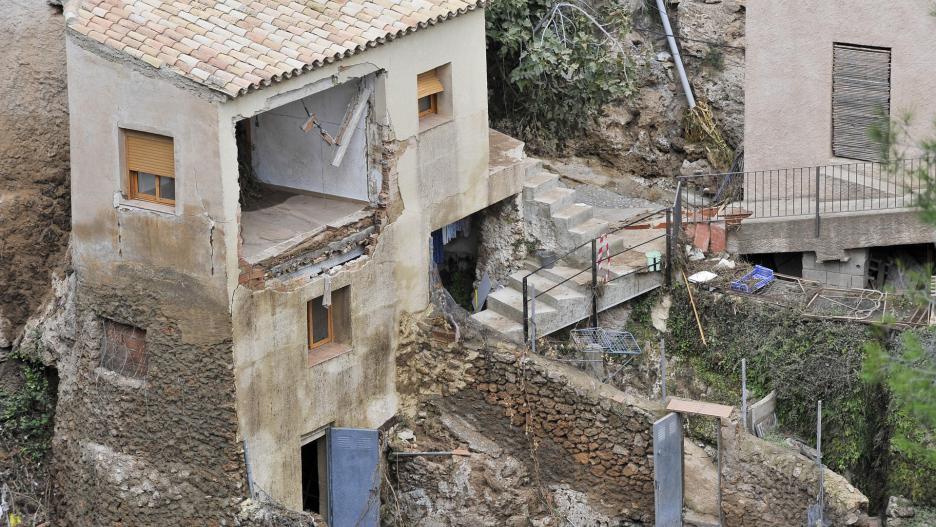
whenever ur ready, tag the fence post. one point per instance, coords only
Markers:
(677, 210)
(526, 321)
(744, 418)
(669, 251)
(594, 284)
(819, 462)
(817, 200)
(663, 371)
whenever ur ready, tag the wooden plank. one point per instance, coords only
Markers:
(687, 406)
(352, 117)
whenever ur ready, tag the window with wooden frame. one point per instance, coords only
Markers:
(428, 88)
(321, 326)
(150, 167)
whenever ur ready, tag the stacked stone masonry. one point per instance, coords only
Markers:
(603, 430)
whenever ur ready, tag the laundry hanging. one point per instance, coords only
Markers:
(438, 252)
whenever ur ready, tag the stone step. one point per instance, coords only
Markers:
(556, 295)
(495, 321)
(538, 181)
(573, 215)
(508, 302)
(554, 199)
(588, 230)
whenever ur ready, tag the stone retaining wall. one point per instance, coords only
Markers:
(604, 431)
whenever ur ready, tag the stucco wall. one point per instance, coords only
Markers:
(159, 448)
(788, 72)
(433, 175)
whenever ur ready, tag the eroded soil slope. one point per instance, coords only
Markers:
(34, 192)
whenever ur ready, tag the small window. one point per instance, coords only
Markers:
(321, 326)
(124, 349)
(329, 328)
(428, 87)
(150, 167)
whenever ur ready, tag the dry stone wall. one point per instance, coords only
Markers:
(599, 437)
(599, 430)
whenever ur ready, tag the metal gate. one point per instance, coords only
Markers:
(353, 477)
(668, 470)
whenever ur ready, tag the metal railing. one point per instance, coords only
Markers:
(805, 191)
(593, 243)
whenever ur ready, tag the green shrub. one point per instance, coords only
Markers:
(551, 72)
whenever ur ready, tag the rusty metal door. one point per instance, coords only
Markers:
(668, 470)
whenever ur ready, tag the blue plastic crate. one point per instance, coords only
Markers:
(754, 281)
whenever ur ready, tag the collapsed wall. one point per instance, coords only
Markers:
(588, 435)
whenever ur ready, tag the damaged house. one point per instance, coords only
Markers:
(254, 187)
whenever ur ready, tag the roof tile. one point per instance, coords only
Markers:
(234, 46)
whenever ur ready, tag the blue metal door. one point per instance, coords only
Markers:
(668, 470)
(353, 477)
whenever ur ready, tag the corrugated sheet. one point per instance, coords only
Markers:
(860, 99)
(668, 471)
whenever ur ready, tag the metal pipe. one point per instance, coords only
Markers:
(420, 454)
(674, 49)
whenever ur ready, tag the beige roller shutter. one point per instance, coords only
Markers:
(149, 153)
(861, 80)
(427, 84)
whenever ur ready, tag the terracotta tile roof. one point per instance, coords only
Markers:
(234, 46)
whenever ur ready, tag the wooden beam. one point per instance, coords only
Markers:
(686, 406)
(350, 122)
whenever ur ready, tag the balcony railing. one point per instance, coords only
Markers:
(806, 191)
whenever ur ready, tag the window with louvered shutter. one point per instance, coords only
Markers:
(150, 167)
(860, 100)
(428, 88)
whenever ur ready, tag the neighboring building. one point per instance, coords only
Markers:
(819, 75)
(234, 164)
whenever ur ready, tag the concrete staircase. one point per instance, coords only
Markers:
(561, 223)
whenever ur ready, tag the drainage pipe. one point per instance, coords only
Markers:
(674, 49)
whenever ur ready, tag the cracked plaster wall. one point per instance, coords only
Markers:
(162, 449)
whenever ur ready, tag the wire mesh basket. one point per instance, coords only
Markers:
(601, 340)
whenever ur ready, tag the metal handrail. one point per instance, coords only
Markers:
(594, 264)
(612, 231)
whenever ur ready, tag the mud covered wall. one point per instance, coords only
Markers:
(34, 204)
(151, 446)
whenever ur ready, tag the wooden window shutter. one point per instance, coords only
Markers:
(149, 153)
(861, 87)
(428, 84)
